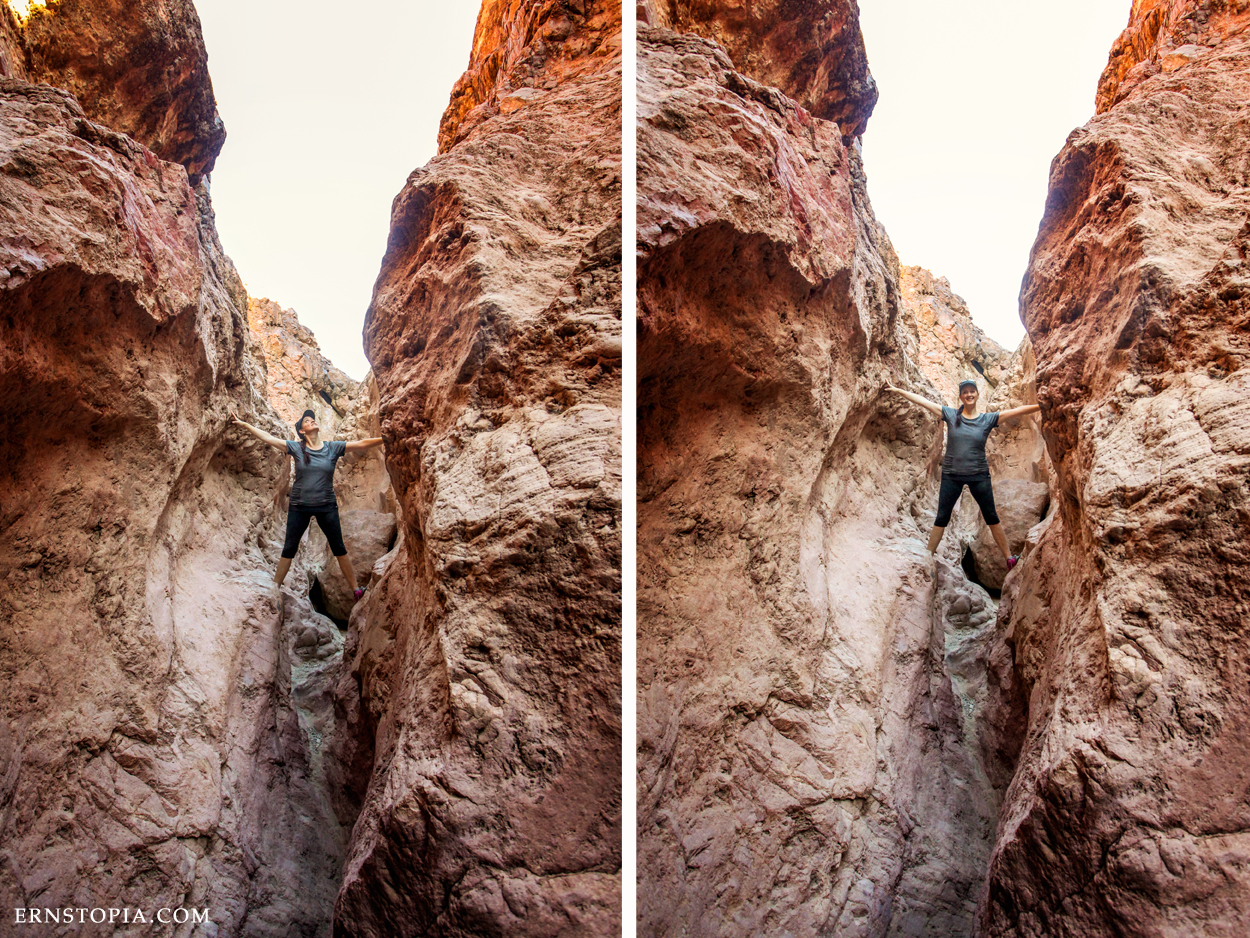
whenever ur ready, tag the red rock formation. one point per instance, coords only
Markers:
(811, 681)
(486, 658)
(522, 49)
(952, 347)
(162, 703)
(811, 50)
(137, 66)
(1129, 814)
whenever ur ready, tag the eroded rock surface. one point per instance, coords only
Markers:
(161, 716)
(1129, 813)
(811, 682)
(523, 49)
(811, 50)
(952, 348)
(483, 704)
(136, 66)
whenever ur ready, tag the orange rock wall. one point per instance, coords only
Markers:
(813, 755)
(485, 663)
(1128, 810)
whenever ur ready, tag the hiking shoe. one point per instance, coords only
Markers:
(1012, 561)
(360, 591)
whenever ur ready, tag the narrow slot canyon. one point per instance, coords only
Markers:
(181, 740)
(840, 734)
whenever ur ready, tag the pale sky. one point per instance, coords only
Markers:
(977, 97)
(328, 108)
(327, 112)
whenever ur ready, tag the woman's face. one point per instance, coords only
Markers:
(308, 425)
(969, 394)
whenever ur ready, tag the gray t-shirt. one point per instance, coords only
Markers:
(314, 481)
(965, 444)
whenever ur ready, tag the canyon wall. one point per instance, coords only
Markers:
(138, 67)
(1129, 812)
(163, 702)
(816, 753)
(481, 710)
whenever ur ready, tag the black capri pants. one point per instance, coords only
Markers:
(327, 519)
(953, 486)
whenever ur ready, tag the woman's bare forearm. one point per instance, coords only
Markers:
(356, 446)
(917, 399)
(1019, 412)
(259, 433)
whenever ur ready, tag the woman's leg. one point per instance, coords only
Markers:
(348, 573)
(947, 496)
(296, 524)
(328, 521)
(1000, 538)
(983, 491)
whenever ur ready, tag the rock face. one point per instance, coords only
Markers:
(523, 49)
(162, 715)
(483, 706)
(952, 348)
(815, 750)
(810, 50)
(136, 66)
(298, 372)
(1129, 812)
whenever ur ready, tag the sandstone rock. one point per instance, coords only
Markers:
(811, 681)
(522, 51)
(161, 738)
(136, 66)
(952, 347)
(368, 535)
(12, 58)
(299, 377)
(484, 694)
(1017, 450)
(811, 50)
(1128, 807)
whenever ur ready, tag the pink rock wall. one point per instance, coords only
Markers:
(137, 66)
(810, 50)
(952, 348)
(813, 753)
(482, 708)
(1128, 811)
(163, 703)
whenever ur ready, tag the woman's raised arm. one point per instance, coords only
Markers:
(1018, 412)
(259, 433)
(355, 446)
(917, 399)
